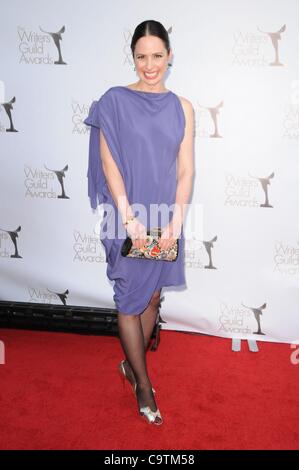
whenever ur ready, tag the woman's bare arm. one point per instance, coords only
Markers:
(185, 164)
(185, 172)
(136, 229)
(114, 180)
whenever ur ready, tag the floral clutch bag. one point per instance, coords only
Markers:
(151, 249)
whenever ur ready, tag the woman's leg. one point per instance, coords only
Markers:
(132, 341)
(148, 320)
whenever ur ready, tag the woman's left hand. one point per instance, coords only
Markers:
(169, 235)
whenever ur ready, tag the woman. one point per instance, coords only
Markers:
(141, 152)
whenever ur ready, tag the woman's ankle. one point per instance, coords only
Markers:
(144, 385)
(145, 397)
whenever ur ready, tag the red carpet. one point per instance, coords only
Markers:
(62, 391)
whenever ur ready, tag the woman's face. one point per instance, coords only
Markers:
(151, 59)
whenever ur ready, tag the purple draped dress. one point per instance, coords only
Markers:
(143, 131)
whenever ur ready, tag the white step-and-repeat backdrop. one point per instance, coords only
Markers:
(238, 63)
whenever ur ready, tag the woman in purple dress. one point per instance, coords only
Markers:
(141, 157)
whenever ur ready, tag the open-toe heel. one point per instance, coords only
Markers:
(153, 417)
(124, 376)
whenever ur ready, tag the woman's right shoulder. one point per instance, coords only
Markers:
(112, 91)
(109, 96)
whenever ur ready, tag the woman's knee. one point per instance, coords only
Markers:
(155, 299)
(127, 317)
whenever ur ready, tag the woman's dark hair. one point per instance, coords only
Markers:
(150, 28)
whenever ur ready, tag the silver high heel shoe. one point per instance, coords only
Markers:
(149, 414)
(122, 371)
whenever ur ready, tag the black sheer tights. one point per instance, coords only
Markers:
(135, 332)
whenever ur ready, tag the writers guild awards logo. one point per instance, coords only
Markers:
(46, 296)
(291, 113)
(57, 38)
(265, 182)
(8, 108)
(275, 37)
(213, 114)
(127, 49)
(60, 174)
(13, 236)
(208, 246)
(257, 315)
(79, 113)
(286, 258)
(61, 295)
(88, 247)
(194, 252)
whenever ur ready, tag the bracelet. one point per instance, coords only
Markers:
(129, 219)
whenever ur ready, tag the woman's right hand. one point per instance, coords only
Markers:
(137, 231)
